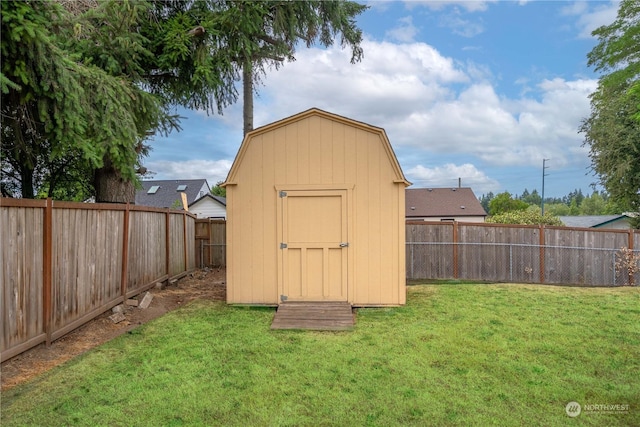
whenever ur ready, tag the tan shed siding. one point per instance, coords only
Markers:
(298, 134)
(270, 239)
(377, 237)
(402, 251)
(316, 151)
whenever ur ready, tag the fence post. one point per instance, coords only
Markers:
(167, 242)
(47, 260)
(455, 250)
(184, 239)
(210, 229)
(542, 253)
(125, 253)
(630, 247)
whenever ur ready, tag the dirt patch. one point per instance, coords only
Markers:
(203, 284)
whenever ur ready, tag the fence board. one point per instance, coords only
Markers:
(21, 270)
(87, 263)
(190, 245)
(210, 242)
(147, 249)
(176, 245)
(566, 260)
(86, 268)
(436, 261)
(496, 252)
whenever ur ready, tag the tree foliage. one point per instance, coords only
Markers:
(59, 113)
(612, 131)
(573, 204)
(218, 190)
(525, 217)
(504, 202)
(270, 31)
(84, 85)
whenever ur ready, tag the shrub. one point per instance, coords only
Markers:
(524, 217)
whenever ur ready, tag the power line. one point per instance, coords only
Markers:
(544, 161)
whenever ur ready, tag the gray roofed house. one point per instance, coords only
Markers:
(443, 204)
(166, 193)
(618, 222)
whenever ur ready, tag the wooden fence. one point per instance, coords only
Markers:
(517, 253)
(488, 252)
(211, 242)
(63, 264)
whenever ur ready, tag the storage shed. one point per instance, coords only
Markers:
(315, 212)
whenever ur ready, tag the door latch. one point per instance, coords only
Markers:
(344, 245)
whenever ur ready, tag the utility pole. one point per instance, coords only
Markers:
(544, 161)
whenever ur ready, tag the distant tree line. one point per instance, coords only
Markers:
(526, 208)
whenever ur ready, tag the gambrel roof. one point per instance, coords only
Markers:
(400, 178)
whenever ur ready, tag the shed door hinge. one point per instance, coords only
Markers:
(283, 194)
(283, 246)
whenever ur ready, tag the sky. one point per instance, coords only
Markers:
(476, 91)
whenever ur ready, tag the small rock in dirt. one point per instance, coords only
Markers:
(117, 318)
(173, 282)
(160, 286)
(118, 309)
(132, 302)
(146, 301)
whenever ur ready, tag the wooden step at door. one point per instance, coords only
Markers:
(319, 316)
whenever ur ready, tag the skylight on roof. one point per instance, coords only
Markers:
(154, 189)
(181, 187)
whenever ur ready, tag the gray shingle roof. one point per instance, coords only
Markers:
(439, 202)
(219, 199)
(589, 221)
(168, 193)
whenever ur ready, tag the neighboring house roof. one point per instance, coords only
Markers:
(209, 206)
(219, 199)
(164, 193)
(442, 202)
(592, 221)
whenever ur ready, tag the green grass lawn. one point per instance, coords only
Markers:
(454, 355)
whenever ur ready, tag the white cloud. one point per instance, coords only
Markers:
(428, 103)
(390, 81)
(462, 27)
(212, 170)
(469, 5)
(405, 32)
(592, 15)
(448, 175)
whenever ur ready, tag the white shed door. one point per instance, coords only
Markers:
(314, 249)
